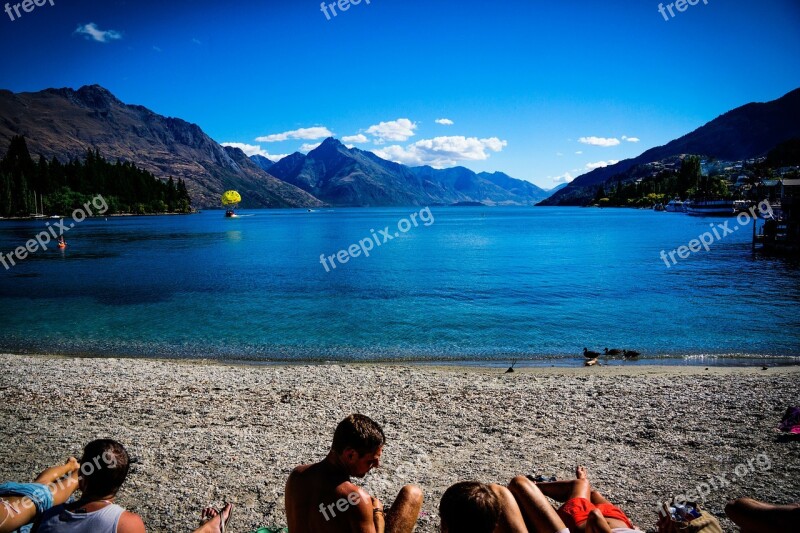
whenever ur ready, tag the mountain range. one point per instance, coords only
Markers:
(351, 177)
(746, 132)
(65, 123)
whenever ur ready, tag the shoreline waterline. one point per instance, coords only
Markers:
(557, 362)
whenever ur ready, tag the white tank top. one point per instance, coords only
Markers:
(59, 520)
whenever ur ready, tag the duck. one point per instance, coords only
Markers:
(612, 351)
(591, 362)
(630, 353)
(587, 353)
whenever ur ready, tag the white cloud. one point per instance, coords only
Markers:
(197, 41)
(92, 32)
(601, 164)
(442, 152)
(599, 141)
(559, 154)
(306, 134)
(307, 147)
(355, 139)
(251, 149)
(579, 152)
(444, 121)
(566, 177)
(157, 49)
(630, 139)
(395, 130)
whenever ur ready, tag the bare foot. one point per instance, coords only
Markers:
(73, 464)
(213, 521)
(581, 472)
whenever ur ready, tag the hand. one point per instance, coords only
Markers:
(665, 524)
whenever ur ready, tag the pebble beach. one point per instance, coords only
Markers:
(204, 432)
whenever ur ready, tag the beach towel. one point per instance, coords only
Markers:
(791, 421)
(272, 530)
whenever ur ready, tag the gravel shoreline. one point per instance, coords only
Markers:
(205, 432)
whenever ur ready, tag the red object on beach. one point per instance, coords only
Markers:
(791, 421)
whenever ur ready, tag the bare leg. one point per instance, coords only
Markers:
(539, 515)
(562, 491)
(19, 511)
(54, 472)
(405, 510)
(753, 516)
(211, 519)
(511, 520)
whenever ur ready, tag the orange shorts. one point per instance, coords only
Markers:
(576, 511)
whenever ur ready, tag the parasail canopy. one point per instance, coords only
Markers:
(231, 198)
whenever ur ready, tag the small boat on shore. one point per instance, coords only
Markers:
(710, 208)
(674, 206)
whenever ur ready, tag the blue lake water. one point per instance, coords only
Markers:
(478, 285)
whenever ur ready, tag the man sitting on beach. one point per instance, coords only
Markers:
(320, 498)
(584, 508)
(472, 507)
(103, 469)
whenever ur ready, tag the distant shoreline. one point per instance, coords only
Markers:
(115, 215)
(750, 361)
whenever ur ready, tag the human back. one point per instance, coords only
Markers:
(61, 520)
(321, 498)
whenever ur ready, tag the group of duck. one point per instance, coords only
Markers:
(591, 357)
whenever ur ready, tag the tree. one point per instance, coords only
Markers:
(689, 175)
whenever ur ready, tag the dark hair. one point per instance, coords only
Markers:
(358, 432)
(469, 507)
(104, 466)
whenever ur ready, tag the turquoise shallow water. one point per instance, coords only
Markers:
(478, 284)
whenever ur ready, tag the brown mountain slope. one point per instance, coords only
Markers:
(65, 123)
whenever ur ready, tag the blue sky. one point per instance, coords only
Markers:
(540, 90)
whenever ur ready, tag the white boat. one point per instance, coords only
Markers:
(674, 206)
(710, 208)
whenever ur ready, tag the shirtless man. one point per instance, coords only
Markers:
(320, 498)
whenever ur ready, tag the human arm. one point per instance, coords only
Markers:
(130, 523)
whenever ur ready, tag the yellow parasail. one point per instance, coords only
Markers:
(231, 198)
